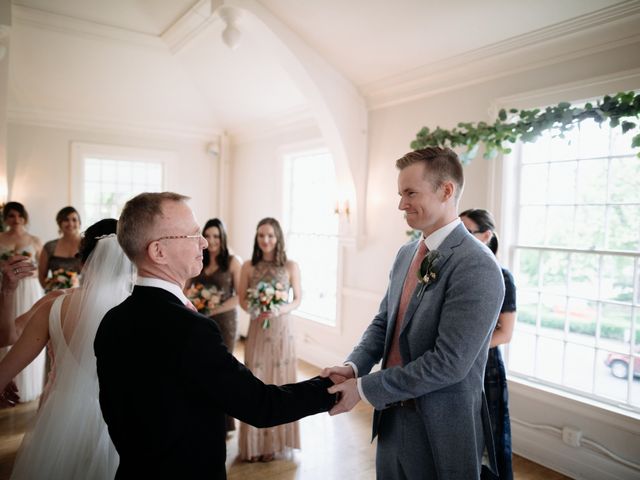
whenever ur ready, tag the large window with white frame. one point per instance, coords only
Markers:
(311, 229)
(577, 264)
(105, 177)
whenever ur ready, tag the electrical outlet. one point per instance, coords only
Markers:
(571, 436)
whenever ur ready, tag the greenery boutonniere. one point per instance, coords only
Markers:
(428, 272)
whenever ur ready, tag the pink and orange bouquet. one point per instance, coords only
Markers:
(60, 279)
(266, 297)
(205, 299)
(7, 255)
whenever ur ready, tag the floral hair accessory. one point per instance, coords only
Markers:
(428, 271)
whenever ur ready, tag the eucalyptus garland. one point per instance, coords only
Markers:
(619, 110)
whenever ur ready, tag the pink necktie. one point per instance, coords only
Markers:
(394, 358)
(190, 306)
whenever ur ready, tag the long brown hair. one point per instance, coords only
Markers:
(280, 257)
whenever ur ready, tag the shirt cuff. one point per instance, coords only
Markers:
(362, 397)
(353, 367)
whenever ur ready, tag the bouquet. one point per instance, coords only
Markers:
(60, 279)
(266, 297)
(7, 255)
(205, 299)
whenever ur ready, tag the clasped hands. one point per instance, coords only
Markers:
(345, 386)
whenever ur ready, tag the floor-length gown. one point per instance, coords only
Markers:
(270, 355)
(69, 439)
(31, 380)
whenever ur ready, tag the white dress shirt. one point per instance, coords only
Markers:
(163, 284)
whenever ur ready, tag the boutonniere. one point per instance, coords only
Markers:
(428, 271)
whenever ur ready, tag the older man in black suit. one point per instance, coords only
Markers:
(166, 378)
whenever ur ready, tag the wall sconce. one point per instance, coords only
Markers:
(342, 208)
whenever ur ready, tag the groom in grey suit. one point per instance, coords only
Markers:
(432, 334)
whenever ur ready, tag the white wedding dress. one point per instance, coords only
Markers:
(31, 380)
(69, 439)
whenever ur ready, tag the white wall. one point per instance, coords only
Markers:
(39, 166)
(365, 270)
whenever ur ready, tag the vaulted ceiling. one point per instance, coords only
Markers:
(162, 63)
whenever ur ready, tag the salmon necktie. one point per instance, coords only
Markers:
(394, 358)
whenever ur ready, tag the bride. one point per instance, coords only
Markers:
(69, 439)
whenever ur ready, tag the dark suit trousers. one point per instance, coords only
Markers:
(404, 451)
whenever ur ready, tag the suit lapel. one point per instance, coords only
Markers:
(446, 250)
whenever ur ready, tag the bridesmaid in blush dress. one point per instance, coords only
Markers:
(270, 348)
(17, 240)
(220, 274)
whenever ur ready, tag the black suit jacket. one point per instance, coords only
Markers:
(166, 382)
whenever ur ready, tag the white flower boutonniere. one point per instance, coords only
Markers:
(428, 271)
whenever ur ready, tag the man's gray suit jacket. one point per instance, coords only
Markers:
(444, 342)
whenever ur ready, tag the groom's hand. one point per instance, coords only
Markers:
(348, 396)
(338, 374)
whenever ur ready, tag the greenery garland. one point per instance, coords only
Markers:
(527, 125)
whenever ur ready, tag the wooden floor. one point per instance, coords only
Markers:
(332, 447)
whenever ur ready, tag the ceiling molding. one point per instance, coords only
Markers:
(178, 35)
(71, 121)
(506, 58)
(290, 121)
(82, 28)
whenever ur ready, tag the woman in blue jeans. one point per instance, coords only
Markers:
(480, 223)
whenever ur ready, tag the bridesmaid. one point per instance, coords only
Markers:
(221, 270)
(270, 348)
(480, 224)
(61, 253)
(17, 240)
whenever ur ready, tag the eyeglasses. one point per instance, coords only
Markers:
(473, 232)
(174, 237)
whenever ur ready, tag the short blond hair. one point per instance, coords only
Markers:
(442, 163)
(138, 217)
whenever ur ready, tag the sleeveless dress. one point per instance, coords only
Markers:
(63, 444)
(270, 355)
(227, 321)
(55, 263)
(31, 380)
(495, 387)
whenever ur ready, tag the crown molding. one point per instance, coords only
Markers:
(71, 121)
(615, 26)
(82, 28)
(178, 35)
(292, 120)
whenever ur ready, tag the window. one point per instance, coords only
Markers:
(577, 264)
(106, 177)
(312, 230)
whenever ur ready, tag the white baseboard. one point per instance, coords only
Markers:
(580, 463)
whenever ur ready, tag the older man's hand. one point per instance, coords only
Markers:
(9, 397)
(14, 270)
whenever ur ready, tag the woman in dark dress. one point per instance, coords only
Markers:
(60, 254)
(480, 223)
(213, 292)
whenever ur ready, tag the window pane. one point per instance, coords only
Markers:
(560, 226)
(594, 139)
(578, 367)
(625, 180)
(562, 182)
(553, 309)
(612, 380)
(522, 353)
(589, 227)
(534, 184)
(532, 220)
(527, 308)
(624, 227)
(538, 151)
(583, 316)
(554, 271)
(566, 148)
(592, 181)
(621, 144)
(528, 269)
(616, 325)
(583, 278)
(617, 278)
(549, 356)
